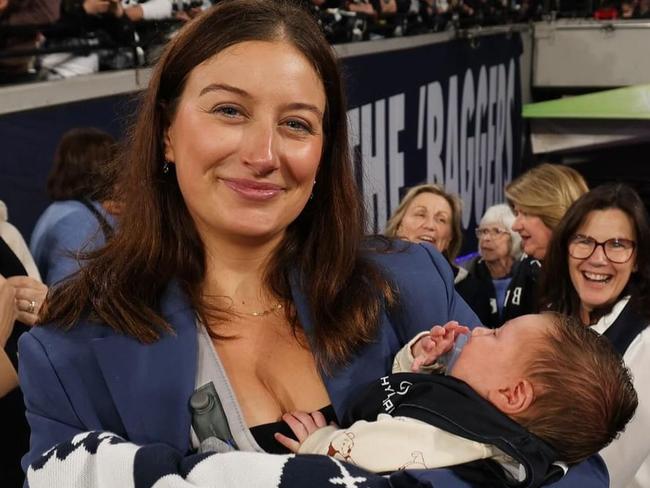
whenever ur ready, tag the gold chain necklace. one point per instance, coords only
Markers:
(277, 306)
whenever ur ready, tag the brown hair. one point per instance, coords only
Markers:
(456, 208)
(584, 394)
(81, 160)
(157, 240)
(546, 191)
(558, 291)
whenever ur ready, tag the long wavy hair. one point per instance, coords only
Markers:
(557, 289)
(157, 241)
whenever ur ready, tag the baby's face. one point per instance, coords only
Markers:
(493, 358)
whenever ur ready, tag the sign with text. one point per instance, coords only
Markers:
(447, 113)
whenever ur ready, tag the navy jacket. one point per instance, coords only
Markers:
(91, 378)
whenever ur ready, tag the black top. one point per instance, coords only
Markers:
(15, 430)
(263, 434)
(477, 289)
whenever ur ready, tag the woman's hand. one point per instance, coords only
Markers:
(439, 340)
(303, 425)
(29, 297)
(7, 310)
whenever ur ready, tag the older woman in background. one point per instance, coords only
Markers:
(539, 199)
(598, 270)
(500, 250)
(427, 213)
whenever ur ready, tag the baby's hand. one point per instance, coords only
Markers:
(439, 340)
(302, 424)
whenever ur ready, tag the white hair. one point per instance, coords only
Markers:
(501, 214)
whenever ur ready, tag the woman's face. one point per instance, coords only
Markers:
(247, 139)
(598, 281)
(493, 242)
(428, 218)
(535, 235)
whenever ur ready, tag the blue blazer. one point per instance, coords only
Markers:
(91, 378)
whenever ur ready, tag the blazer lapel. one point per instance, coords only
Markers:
(151, 383)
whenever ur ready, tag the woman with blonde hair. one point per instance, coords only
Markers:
(427, 213)
(539, 199)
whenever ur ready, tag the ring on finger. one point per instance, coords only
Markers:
(31, 307)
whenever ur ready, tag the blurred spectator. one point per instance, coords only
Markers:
(606, 12)
(429, 214)
(81, 184)
(629, 9)
(86, 23)
(539, 198)
(22, 13)
(500, 251)
(644, 9)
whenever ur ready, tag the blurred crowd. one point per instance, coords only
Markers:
(53, 39)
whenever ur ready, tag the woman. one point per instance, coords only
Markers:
(500, 249)
(598, 269)
(241, 209)
(427, 213)
(237, 270)
(80, 184)
(539, 198)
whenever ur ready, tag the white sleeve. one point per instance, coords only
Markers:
(393, 443)
(404, 358)
(156, 9)
(627, 454)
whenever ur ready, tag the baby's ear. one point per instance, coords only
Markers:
(515, 398)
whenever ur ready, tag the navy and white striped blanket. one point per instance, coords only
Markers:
(104, 460)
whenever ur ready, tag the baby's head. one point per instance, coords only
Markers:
(555, 377)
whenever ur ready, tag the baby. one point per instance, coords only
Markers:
(543, 378)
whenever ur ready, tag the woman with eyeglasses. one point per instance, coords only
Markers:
(499, 252)
(598, 269)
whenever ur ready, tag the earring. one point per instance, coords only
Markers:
(166, 167)
(311, 197)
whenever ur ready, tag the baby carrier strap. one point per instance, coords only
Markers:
(451, 405)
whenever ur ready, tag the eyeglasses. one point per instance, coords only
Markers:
(616, 250)
(482, 232)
